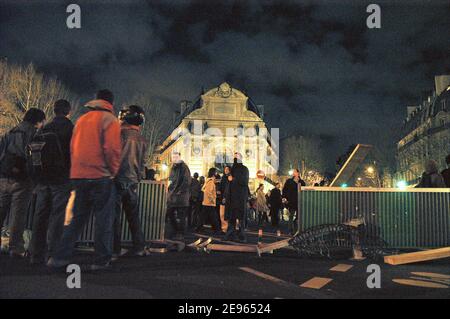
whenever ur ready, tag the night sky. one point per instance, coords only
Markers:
(315, 65)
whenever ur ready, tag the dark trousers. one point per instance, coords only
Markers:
(232, 233)
(177, 219)
(292, 220)
(48, 221)
(275, 216)
(209, 214)
(92, 196)
(262, 216)
(15, 197)
(194, 213)
(127, 200)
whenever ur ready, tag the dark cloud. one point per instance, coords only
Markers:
(313, 64)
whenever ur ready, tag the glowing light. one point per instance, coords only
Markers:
(291, 172)
(370, 170)
(164, 167)
(402, 184)
(260, 174)
(345, 185)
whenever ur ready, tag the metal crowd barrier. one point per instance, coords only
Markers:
(152, 211)
(412, 218)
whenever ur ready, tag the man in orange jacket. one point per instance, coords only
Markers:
(95, 155)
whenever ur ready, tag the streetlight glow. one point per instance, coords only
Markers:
(402, 184)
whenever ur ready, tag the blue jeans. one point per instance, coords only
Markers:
(15, 197)
(96, 196)
(48, 221)
(127, 200)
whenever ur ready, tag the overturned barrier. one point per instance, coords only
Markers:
(412, 218)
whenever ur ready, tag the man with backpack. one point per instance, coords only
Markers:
(15, 183)
(52, 145)
(95, 161)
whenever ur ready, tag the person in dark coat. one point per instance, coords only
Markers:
(431, 178)
(53, 190)
(195, 202)
(275, 202)
(237, 198)
(290, 198)
(178, 195)
(224, 188)
(446, 172)
(131, 172)
(16, 186)
(150, 174)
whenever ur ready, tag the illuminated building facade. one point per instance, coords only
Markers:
(208, 132)
(426, 133)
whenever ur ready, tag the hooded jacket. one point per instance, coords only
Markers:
(134, 149)
(13, 147)
(63, 128)
(179, 190)
(96, 145)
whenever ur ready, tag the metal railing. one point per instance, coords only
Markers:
(152, 212)
(409, 218)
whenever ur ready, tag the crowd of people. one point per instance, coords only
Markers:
(102, 160)
(226, 201)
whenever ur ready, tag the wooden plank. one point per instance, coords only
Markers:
(265, 248)
(266, 276)
(268, 234)
(157, 250)
(316, 283)
(435, 280)
(431, 275)
(341, 268)
(196, 243)
(219, 240)
(420, 256)
(419, 283)
(239, 249)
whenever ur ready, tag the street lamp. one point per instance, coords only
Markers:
(370, 170)
(402, 184)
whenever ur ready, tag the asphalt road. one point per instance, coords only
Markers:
(221, 275)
